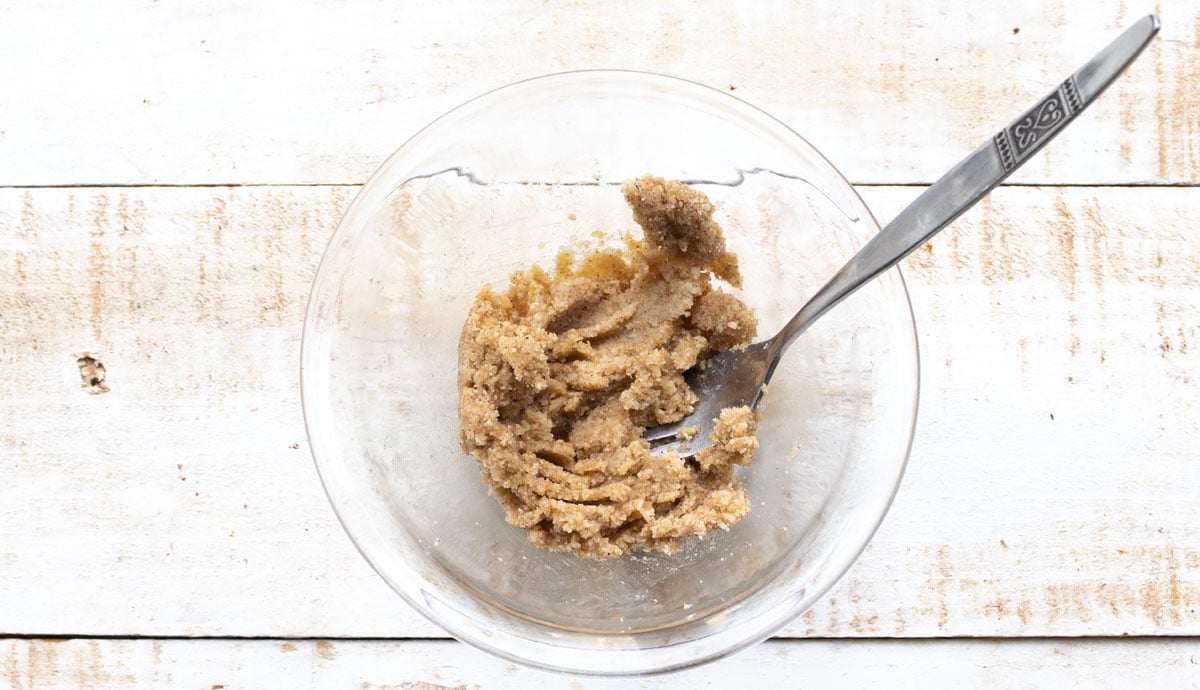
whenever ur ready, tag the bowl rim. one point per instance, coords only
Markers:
(761, 631)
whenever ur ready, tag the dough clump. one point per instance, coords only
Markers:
(562, 372)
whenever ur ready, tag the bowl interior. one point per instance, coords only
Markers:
(506, 181)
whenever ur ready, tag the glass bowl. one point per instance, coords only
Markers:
(505, 181)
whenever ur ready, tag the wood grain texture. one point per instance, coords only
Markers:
(1051, 491)
(140, 92)
(444, 665)
(154, 475)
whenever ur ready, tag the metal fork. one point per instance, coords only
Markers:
(737, 377)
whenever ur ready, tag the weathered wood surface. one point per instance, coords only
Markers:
(141, 92)
(1052, 488)
(445, 665)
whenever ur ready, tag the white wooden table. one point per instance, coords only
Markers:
(170, 173)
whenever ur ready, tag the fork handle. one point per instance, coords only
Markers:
(973, 177)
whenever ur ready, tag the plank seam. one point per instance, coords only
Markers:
(784, 638)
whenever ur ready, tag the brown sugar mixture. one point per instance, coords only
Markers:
(560, 374)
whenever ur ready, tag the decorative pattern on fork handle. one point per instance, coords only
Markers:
(1024, 136)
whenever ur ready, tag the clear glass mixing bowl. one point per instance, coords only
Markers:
(503, 182)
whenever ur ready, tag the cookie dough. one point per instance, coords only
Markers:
(561, 373)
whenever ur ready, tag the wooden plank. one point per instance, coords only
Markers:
(1052, 483)
(445, 665)
(1052, 487)
(184, 499)
(132, 92)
